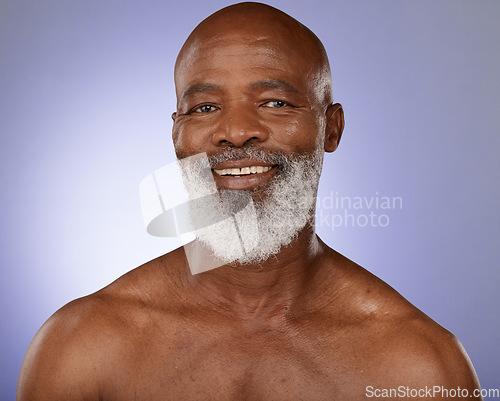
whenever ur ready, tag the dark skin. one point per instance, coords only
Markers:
(308, 324)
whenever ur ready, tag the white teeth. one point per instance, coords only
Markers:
(243, 170)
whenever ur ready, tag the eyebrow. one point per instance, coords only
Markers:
(274, 84)
(259, 85)
(199, 88)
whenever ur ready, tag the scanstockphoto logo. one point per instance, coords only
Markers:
(376, 210)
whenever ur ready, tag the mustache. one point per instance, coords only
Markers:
(251, 153)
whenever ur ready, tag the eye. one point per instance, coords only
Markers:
(205, 108)
(275, 104)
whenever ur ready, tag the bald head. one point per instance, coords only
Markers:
(255, 22)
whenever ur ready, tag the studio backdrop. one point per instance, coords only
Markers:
(411, 194)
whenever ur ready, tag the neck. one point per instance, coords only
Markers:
(262, 290)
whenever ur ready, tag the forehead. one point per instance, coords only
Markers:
(244, 58)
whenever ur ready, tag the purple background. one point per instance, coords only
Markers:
(86, 93)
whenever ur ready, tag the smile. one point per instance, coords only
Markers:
(243, 170)
(242, 175)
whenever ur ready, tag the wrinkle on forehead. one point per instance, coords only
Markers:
(262, 26)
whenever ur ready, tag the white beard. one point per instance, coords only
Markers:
(246, 231)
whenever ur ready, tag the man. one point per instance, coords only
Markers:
(287, 319)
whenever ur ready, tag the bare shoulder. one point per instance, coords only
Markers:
(421, 354)
(80, 345)
(402, 345)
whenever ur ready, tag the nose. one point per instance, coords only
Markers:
(239, 126)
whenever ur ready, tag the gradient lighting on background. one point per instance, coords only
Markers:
(86, 96)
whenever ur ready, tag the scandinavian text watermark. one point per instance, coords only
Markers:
(336, 210)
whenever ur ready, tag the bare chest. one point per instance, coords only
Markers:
(211, 366)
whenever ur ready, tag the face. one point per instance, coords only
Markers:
(257, 107)
(241, 91)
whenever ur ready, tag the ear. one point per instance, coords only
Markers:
(334, 126)
(174, 131)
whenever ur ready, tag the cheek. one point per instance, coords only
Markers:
(189, 138)
(293, 128)
(303, 133)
